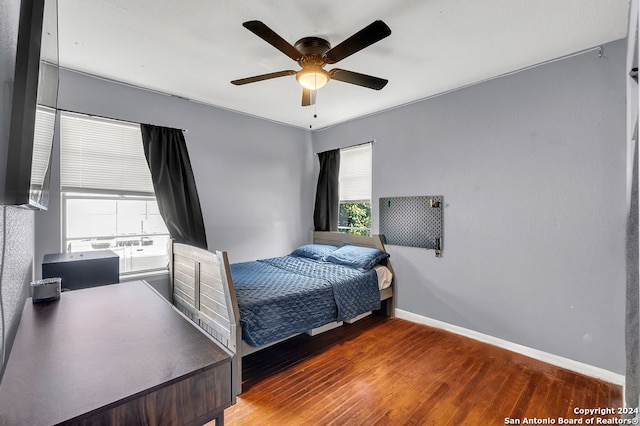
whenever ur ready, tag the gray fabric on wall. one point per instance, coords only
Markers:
(325, 214)
(632, 323)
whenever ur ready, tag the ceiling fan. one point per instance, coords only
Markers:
(313, 53)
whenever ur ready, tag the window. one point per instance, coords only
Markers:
(355, 190)
(108, 201)
(43, 135)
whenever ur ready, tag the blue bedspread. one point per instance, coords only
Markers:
(284, 296)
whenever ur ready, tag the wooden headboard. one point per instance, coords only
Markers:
(340, 239)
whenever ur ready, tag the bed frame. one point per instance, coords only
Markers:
(202, 289)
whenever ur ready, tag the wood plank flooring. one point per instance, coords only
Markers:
(388, 371)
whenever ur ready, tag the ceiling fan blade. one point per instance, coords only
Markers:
(261, 77)
(370, 34)
(308, 97)
(270, 36)
(364, 80)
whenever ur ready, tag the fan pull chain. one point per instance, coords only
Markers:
(315, 112)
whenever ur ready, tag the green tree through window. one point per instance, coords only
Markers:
(355, 218)
(355, 190)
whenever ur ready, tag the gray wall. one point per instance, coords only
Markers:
(16, 225)
(253, 176)
(532, 167)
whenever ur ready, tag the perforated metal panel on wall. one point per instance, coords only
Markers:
(412, 221)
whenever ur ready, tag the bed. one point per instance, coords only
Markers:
(252, 305)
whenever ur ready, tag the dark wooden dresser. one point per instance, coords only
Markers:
(118, 355)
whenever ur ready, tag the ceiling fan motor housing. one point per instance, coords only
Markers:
(313, 46)
(312, 76)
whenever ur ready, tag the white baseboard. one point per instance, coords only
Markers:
(569, 364)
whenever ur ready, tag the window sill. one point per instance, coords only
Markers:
(145, 275)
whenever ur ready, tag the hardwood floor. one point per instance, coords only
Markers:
(387, 371)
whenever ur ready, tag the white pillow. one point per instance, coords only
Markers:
(385, 276)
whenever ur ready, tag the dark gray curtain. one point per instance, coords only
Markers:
(632, 323)
(174, 185)
(325, 215)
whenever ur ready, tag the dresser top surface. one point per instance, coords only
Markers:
(74, 257)
(97, 346)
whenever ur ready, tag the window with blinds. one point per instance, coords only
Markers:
(43, 135)
(107, 193)
(355, 190)
(102, 155)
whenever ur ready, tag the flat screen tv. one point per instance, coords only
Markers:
(33, 106)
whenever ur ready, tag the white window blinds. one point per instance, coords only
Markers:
(101, 155)
(42, 139)
(355, 173)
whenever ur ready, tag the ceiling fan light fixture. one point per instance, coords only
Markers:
(312, 78)
(313, 53)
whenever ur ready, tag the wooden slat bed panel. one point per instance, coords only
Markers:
(185, 273)
(212, 292)
(212, 286)
(220, 321)
(184, 298)
(186, 283)
(184, 280)
(221, 335)
(219, 332)
(218, 307)
(203, 291)
(214, 301)
(183, 262)
(185, 276)
(185, 287)
(185, 305)
(198, 269)
(213, 332)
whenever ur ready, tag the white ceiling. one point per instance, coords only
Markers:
(194, 48)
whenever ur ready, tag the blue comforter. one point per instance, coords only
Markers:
(284, 296)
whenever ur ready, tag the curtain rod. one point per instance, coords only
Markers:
(110, 118)
(352, 146)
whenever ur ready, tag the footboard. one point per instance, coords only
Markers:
(203, 291)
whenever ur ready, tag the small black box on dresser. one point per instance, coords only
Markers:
(82, 269)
